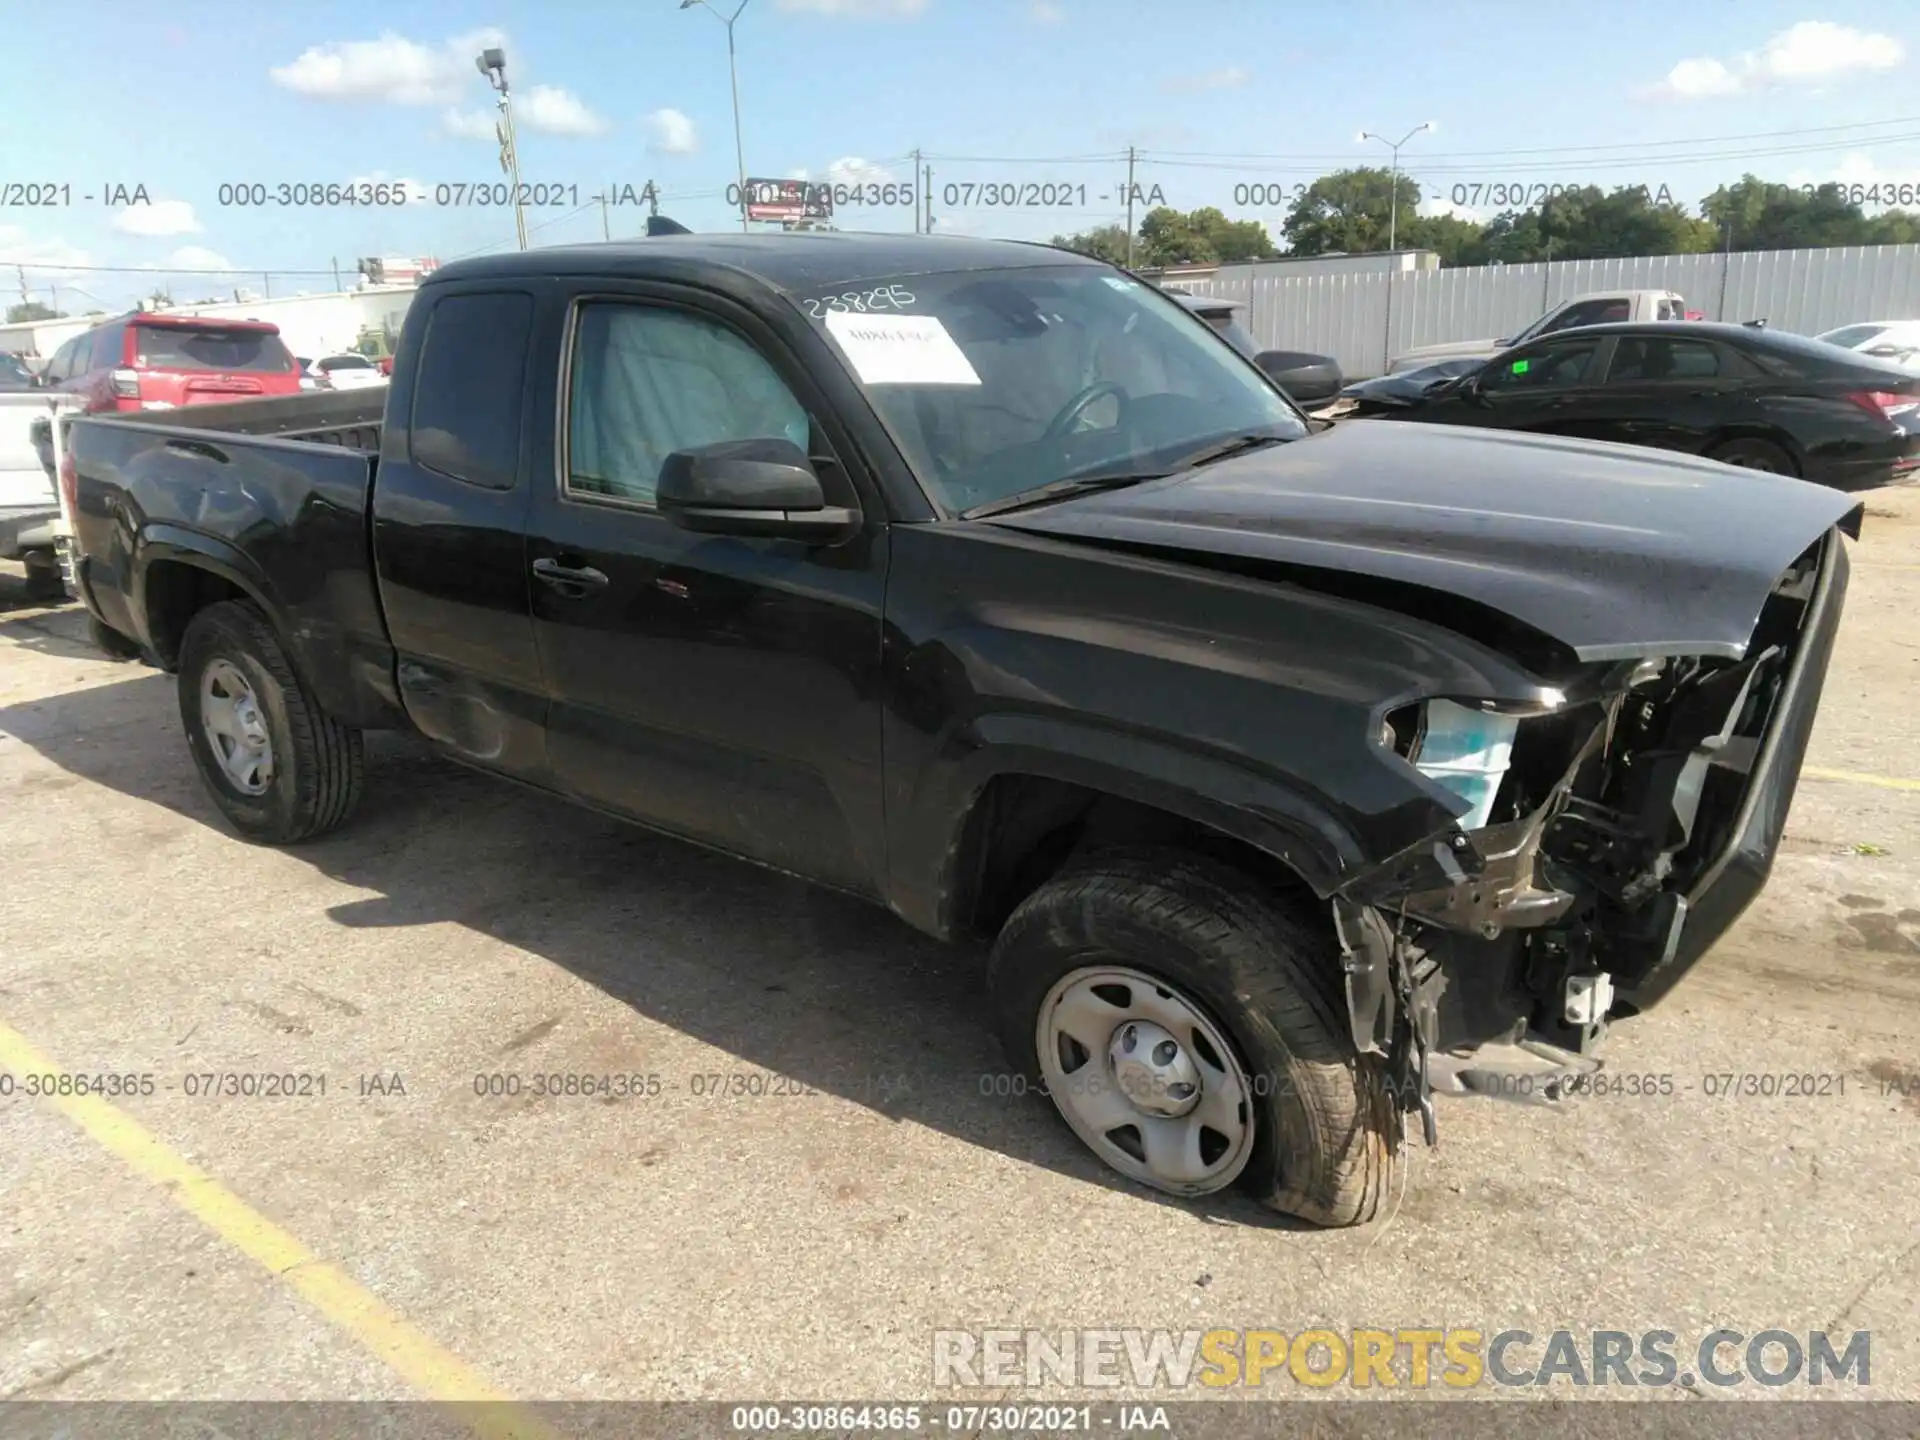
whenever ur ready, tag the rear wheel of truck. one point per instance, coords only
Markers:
(1190, 1030)
(277, 765)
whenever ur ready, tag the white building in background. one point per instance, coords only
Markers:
(312, 325)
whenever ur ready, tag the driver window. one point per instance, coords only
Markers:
(1544, 367)
(647, 381)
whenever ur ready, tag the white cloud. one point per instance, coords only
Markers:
(1866, 173)
(1804, 54)
(672, 133)
(553, 111)
(195, 257)
(1229, 77)
(854, 9)
(393, 69)
(852, 170)
(160, 217)
(1441, 205)
(1046, 12)
(470, 124)
(42, 257)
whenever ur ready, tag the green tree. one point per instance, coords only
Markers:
(1351, 211)
(30, 310)
(1104, 242)
(1755, 214)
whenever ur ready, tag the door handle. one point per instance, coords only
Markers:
(569, 579)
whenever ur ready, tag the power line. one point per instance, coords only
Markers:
(1621, 145)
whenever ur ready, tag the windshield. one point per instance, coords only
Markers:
(1851, 336)
(996, 382)
(183, 347)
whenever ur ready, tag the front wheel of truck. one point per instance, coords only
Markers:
(278, 766)
(1189, 1027)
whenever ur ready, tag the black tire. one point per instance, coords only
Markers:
(45, 584)
(317, 761)
(1265, 970)
(111, 642)
(1755, 455)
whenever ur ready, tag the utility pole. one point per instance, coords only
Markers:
(492, 63)
(336, 272)
(916, 203)
(653, 199)
(1130, 156)
(24, 298)
(606, 230)
(266, 284)
(928, 173)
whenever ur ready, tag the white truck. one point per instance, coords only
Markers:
(31, 522)
(1603, 307)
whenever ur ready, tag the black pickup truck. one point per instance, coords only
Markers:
(1295, 772)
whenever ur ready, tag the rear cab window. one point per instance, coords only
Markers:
(469, 388)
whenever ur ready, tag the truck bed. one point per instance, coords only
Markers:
(347, 418)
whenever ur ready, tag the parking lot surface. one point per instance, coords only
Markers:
(807, 1170)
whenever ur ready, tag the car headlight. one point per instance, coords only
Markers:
(1466, 749)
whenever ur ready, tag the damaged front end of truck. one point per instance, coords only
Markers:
(1609, 832)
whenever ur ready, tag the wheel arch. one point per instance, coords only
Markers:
(1019, 811)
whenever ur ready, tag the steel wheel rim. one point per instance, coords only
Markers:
(236, 728)
(1123, 1094)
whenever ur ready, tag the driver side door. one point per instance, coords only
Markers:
(721, 688)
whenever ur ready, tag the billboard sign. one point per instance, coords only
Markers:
(785, 200)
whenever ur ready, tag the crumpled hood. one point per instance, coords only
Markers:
(1613, 550)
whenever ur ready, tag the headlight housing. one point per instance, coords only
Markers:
(1465, 748)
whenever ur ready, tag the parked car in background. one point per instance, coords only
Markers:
(29, 505)
(310, 378)
(1895, 341)
(1292, 773)
(1752, 397)
(1309, 380)
(15, 372)
(348, 371)
(155, 361)
(1606, 307)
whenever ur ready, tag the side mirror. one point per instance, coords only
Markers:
(751, 488)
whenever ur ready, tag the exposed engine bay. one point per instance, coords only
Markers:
(1615, 832)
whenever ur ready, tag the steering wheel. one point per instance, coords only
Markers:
(1062, 424)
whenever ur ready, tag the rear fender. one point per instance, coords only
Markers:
(353, 688)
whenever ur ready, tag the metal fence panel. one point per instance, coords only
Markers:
(1362, 318)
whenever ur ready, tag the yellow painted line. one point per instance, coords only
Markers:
(435, 1372)
(1854, 777)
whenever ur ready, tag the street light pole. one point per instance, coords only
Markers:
(733, 76)
(492, 63)
(1393, 196)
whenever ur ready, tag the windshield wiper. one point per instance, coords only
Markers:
(1221, 449)
(1060, 490)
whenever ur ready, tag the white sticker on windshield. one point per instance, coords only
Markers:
(900, 349)
(1121, 284)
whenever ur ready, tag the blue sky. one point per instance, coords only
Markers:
(183, 97)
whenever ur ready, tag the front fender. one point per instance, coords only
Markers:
(931, 842)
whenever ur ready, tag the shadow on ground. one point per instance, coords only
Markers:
(823, 989)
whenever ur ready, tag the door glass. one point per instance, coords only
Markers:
(468, 387)
(1547, 367)
(1647, 359)
(648, 381)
